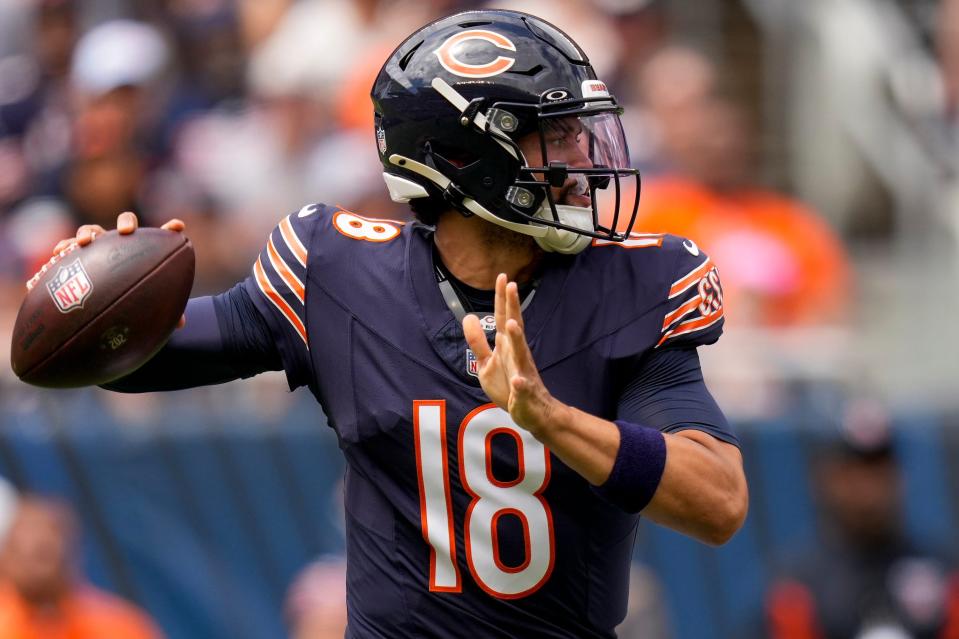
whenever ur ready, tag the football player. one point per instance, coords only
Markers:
(511, 382)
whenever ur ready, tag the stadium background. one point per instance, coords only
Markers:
(203, 506)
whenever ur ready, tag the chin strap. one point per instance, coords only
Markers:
(549, 238)
(563, 241)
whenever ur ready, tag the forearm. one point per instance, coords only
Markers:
(701, 491)
(585, 443)
(194, 356)
(220, 342)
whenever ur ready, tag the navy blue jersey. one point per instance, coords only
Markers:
(459, 522)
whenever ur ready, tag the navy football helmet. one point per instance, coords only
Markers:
(499, 114)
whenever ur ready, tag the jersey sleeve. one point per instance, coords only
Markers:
(666, 391)
(224, 338)
(693, 314)
(277, 286)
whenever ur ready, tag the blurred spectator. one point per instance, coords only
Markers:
(316, 602)
(781, 264)
(642, 26)
(114, 66)
(865, 580)
(34, 96)
(41, 597)
(675, 80)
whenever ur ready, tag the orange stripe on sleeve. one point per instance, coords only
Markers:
(689, 279)
(271, 294)
(680, 312)
(284, 271)
(693, 325)
(293, 241)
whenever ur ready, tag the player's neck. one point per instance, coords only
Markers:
(476, 251)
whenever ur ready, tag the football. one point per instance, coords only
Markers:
(97, 313)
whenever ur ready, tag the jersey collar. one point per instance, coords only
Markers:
(436, 315)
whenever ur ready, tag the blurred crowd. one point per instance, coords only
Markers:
(231, 113)
(812, 182)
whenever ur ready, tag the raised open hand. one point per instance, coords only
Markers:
(508, 372)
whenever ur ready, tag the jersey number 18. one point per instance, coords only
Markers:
(491, 499)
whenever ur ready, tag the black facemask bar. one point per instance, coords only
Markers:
(534, 185)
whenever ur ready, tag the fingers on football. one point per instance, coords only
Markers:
(476, 338)
(174, 225)
(126, 223)
(87, 232)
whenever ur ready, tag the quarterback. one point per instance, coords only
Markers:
(512, 383)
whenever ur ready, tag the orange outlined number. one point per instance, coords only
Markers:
(711, 293)
(492, 499)
(361, 228)
(436, 507)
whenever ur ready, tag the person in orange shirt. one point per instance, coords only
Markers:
(40, 595)
(781, 264)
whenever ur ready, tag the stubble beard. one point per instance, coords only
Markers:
(499, 238)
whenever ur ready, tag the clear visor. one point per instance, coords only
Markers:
(587, 141)
(583, 161)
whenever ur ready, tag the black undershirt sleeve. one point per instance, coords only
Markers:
(667, 392)
(225, 338)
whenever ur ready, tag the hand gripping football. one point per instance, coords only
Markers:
(97, 313)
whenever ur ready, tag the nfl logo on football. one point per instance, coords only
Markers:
(70, 287)
(471, 364)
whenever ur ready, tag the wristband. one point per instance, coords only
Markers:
(638, 468)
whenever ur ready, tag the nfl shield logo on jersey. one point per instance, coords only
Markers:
(472, 367)
(70, 287)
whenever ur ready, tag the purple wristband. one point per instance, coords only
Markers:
(638, 467)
